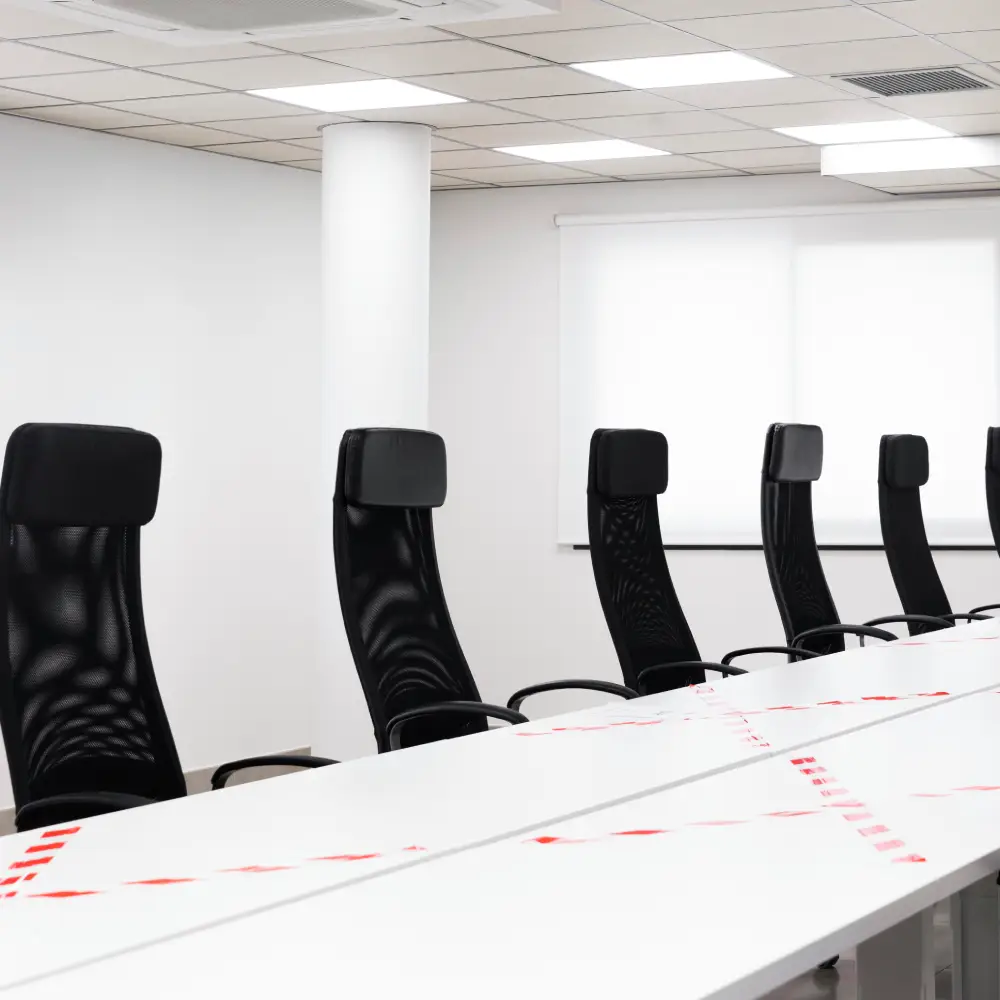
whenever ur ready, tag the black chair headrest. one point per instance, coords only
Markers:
(79, 475)
(796, 453)
(629, 463)
(993, 450)
(903, 462)
(392, 467)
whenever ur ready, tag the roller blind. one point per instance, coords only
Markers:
(864, 322)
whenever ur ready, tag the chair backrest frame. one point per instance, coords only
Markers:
(793, 461)
(628, 471)
(398, 626)
(80, 708)
(903, 467)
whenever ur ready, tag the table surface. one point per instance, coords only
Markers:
(440, 830)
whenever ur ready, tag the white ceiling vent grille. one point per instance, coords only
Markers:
(211, 22)
(246, 15)
(919, 81)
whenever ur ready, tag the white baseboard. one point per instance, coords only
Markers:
(198, 780)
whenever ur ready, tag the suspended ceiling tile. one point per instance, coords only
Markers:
(316, 165)
(449, 115)
(753, 159)
(968, 102)
(573, 14)
(676, 10)
(984, 45)
(134, 52)
(19, 22)
(181, 135)
(272, 152)
(969, 124)
(526, 134)
(459, 56)
(719, 142)
(919, 178)
(661, 166)
(464, 158)
(629, 41)
(266, 71)
(621, 102)
(937, 16)
(107, 85)
(981, 186)
(866, 56)
(18, 59)
(517, 174)
(823, 113)
(793, 90)
(292, 127)
(635, 126)
(10, 99)
(801, 27)
(206, 107)
(507, 84)
(388, 35)
(439, 145)
(91, 116)
(441, 182)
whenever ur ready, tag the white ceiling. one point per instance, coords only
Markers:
(520, 91)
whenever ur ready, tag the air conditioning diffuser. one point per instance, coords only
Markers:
(211, 22)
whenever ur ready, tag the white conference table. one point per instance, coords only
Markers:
(250, 848)
(757, 877)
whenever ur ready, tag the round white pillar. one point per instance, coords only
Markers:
(376, 279)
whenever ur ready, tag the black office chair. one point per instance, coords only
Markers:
(993, 482)
(82, 719)
(416, 680)
(657, 652)
(903, 467)
(793, 461)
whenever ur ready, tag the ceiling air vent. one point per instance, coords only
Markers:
(917, 81)
(214, 22)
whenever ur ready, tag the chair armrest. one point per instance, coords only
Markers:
(977, 611)
(450, 708)
(721, 668)
(608, 687)
(801, 654)
(861, 630)
(73, 806)
(224, 773)
(938, 621)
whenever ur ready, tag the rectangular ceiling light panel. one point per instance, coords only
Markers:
(364, 95)
(574, 152)
(683, 71)
(914, 155)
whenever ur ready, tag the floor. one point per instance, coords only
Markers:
(841, 983)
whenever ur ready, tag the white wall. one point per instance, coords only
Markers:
(525, 610)
(178, 292)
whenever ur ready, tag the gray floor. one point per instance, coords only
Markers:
(841, 983)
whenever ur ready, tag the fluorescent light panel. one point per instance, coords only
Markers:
(953, 153)
(365, 95)
(887, 131)
(683, 71)
(573, 152)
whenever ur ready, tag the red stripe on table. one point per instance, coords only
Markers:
(854, 817)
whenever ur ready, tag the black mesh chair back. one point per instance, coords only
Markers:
(793, 461)
(993, 482)
(400, 633)
(628, 471)
(902, 469)
(79, 706)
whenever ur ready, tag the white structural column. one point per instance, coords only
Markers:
(376, 278)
